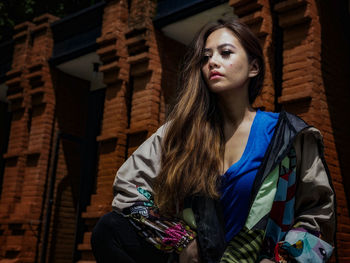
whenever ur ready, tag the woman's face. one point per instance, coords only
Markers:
(225, 63)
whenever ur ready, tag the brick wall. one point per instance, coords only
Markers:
(32, 105)
(113, 139)
(135, 103)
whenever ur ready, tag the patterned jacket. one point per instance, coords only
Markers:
(291, 215)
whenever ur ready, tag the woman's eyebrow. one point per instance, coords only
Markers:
(226, 44)
(219, 47)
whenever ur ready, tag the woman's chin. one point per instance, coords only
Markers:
(222, 89)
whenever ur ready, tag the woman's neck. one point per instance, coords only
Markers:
(235, 109)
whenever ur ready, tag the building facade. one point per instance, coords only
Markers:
(79, 94)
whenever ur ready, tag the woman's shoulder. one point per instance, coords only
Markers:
(293, 121)
(268, 115)
(294, 125)
(302, 126)
(267, 121)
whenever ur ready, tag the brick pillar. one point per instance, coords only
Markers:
(257, 15)
(145, 74)
(132, 111)
(17, 96)
(303, 92)
(32, 99)
(112, 140)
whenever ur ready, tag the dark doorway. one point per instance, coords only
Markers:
(89, 159)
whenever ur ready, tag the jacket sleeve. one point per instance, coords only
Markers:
(314, 194)
(312, 236)
(138, 171)
(133, 198)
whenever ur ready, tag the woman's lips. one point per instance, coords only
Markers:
(215, 75)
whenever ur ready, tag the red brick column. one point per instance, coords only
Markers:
(18, 140)
(257, 15)
(145, 73)
(303, 92)
(112, 140)
(32, 97)
(132, 111)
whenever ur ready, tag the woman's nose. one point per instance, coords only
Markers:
(213, 63)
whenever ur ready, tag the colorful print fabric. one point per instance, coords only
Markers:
(279, 241)
(282, 211)
(169, 235)
(298, 245)
(305, 247)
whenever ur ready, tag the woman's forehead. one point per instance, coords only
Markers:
(221, 37)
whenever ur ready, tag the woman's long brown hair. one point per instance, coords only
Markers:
(193, 145)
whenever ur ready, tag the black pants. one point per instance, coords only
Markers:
(115, 240)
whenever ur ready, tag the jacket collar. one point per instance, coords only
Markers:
(287, 128)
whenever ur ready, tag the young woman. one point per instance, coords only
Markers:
(222, 181)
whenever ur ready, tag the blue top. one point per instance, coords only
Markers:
(238, 180)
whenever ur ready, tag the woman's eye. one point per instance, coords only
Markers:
(226, 53)
(205, 58)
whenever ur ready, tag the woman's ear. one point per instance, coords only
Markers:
(254, 68)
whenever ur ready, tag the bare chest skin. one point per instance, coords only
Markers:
(236, 141)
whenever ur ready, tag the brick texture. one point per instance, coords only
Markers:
(32, 100)
(113, 138)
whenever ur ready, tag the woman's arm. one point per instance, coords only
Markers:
(314, 204)
(133, 198)
(138, 171)
(312, 235)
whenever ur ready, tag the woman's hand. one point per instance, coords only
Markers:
(190, 253)
(265, 260)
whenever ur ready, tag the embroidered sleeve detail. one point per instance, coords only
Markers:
(166, 234)
(148, 195)
(302, 246)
